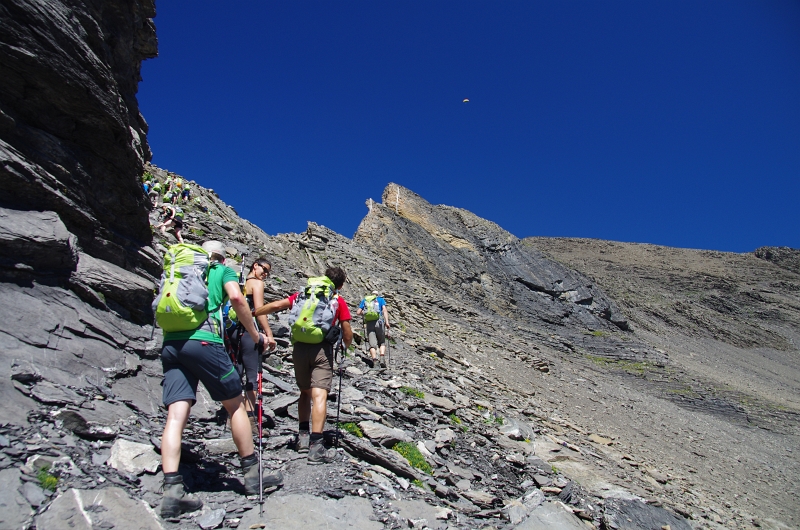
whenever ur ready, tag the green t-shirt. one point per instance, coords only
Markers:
(218, 276)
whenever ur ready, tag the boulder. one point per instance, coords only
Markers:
(133, 457)
(110, 507)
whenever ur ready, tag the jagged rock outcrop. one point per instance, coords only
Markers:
(77, 271)
(481, 263)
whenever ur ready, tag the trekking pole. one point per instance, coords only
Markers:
(260, 401)
(337, 350)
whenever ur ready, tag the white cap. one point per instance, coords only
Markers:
(215, 247)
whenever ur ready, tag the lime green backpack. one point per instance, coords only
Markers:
(372, 308)
(313, 311)
(183, 292)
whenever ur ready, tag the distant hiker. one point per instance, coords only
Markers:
(195, 352)
(254, 294)
(186, 193)
(376, 320)
(173, 220)
(316, 311)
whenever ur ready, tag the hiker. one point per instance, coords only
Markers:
(185, 194)
(173, 220)
(313, 362)
(376, 320)
(254, 294)
(199, 355)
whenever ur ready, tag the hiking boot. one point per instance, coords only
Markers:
(176, 500)
(383, 361)
(251, 481)
(317, 454)
(303, 441)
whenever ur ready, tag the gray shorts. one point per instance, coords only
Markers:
(375, 333)
(313, 365)
(185, 362)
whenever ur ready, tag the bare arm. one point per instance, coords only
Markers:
(257, 290)
(272, 307)
(385, 317)
(347, 334)
(239, 305)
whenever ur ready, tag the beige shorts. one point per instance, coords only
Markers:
(313, 365)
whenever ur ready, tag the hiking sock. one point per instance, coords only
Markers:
(248, 461)
(304, 426)
(316, 437)
(172, 474)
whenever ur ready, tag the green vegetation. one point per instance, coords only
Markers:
(455, 419)
(598, 333)
(418, 483)
(628, 366)
(400, 325)
(48, 481)
(352, 428)
(197, 231)
(410, 452)
(554, 469)
(407, 390)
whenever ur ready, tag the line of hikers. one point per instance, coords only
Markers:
(174, 188)
(201, 346)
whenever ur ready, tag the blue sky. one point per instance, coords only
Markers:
(674, 122)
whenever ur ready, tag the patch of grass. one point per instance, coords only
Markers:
(637, 367)
(554, 469)
(455, 419)
(198, 232)
(598, 333)
(400, 325)
(410, 452)
(498, 420)
(418, 483)
(47, 481)
(407, 390)
(480, 408)
(352, 428)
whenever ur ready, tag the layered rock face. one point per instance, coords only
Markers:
(77, 269)
(482, 264)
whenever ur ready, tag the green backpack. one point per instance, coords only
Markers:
(181, 304)
(313, 311)
(372, 308)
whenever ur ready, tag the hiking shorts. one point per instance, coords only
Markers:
(313, 365)
(185, 362)
(375, 333)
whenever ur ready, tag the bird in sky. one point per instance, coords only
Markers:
(465, 100)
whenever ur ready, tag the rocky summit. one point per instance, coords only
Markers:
(533, 383)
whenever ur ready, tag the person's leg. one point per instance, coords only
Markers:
(321, 380)
(303, 356)
(178, 235)
(177, 415)
(240, 425)
(373, 340)
(319, 409)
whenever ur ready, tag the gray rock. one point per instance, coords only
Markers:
(110, 507)
(33, 494)
(15, 508)
(551, 516)
(133, 457)
(220, 446)
(50, 394)
(632, 514)
(291, 512)
(443, 403)
(481, 498)
(444, 436)
(38, 239)
(280, 404)
(211, 519)
(386, 436)
(350, 394)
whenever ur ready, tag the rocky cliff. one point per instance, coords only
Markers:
(77, 267)
(537, 383)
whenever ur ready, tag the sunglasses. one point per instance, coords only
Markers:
(264, 268)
